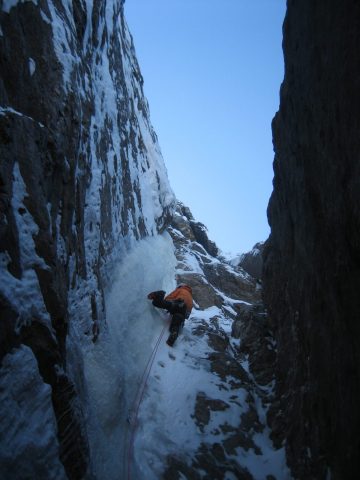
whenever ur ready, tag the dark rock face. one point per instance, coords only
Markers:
(312, 259)
(252, 262)
(75, 176)
(252, 327)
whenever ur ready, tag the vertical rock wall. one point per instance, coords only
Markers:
(81, 179)
(312, 258)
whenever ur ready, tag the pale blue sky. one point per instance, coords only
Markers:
(212, 71)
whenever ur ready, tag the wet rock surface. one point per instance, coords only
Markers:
(311, 260)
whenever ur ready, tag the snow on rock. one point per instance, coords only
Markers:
(82, 181)
(32, 66)
(205, 406)
(24, 293)
(29, 446)
(214, 281)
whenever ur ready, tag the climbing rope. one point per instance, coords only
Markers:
(138, 399)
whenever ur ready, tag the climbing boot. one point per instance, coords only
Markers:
(171, 340)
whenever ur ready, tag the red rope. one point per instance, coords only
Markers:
(139, 398)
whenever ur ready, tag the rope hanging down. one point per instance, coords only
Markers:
(138, 399)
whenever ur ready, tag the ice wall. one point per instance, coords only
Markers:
(114, 366)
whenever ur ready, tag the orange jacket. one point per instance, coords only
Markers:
(183, 292)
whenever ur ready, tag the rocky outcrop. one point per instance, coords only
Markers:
(311, 261)
(228, 352)
(198, 229)
(81, 179)
(251, 262)
(212, 279)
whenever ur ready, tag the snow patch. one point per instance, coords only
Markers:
(166, 418)
(32, 66)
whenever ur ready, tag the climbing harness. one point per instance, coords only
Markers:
(138, 399)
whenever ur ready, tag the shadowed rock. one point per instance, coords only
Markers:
(311, 260)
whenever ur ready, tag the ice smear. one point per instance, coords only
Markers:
(32, 66)
(27, 421)
(6, 110)
(45, 17)
(115, 363)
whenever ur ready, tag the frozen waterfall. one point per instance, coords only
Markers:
(114, 366)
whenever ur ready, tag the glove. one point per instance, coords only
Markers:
(158, 293)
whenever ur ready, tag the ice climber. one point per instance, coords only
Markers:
(178, 303)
